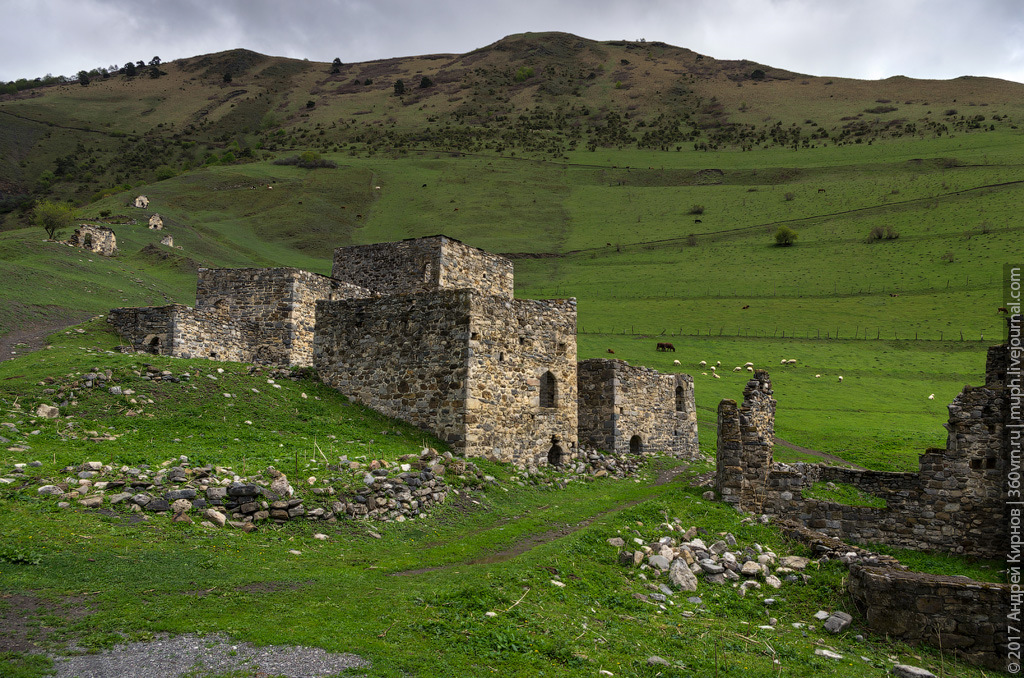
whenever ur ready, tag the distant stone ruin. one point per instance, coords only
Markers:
(427, 330)
(98, 239)
(167, 240)
(156, 223)
(142, 202)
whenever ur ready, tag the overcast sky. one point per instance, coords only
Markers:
(868, 39)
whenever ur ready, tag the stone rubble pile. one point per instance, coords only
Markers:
(685, 559)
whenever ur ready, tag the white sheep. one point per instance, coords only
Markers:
(931, 397)
(782, 362)
(718, 363)
(704, 374)
(791, 361)
(737, 369)
(717, 376)
(817, 376)
(748, 364)
(713, 368)
(750, 368)
(840, 378)
(676, 362)
(702, 363)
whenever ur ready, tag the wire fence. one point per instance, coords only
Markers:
(829, 333)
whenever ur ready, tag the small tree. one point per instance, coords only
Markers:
(758, 74)
(83, 78)
(399, 88)
(54, 217)
(155, 61)
(426, 82)
(336, 65)
(697, 209)
(129, 69)
(785, 236)
(227, 77)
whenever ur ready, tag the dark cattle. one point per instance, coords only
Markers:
(1003, 309)
(611, 351)
(664, 346)
(821, 190)
(745, 307)
(697, 221)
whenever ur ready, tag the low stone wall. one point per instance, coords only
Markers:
(183, 332)
(624, 409)
(146, 328)
(952, 613)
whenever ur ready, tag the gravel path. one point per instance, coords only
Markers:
(171, 657)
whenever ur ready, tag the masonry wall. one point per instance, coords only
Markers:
(745, 439)
(618, 401)
(405, 356)
(98, 239)
(423, 264)
(522, 393)
(955, 503)
(277, 303)
(956, 614)
(183, 332)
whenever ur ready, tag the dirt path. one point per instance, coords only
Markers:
(31, 335)
(534, 540)
(821, 455)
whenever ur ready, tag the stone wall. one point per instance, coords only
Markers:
(180, 331)
(954, 613)
(633, 409)
(278, 305)
(98, 239)
(423, 264)
(955, 503)
(473, 369)
(405, 356)
(522, 391)
(746, 434)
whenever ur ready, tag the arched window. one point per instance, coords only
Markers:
(680, 399)
(87, 241)
(548, 390)
(636, 445)
(555, 456)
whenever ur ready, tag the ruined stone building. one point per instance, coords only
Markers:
(98, 239)
(427, 330)
(956, 502)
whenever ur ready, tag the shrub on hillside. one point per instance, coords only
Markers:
(785, 236)
(697, 209)
(882, 233)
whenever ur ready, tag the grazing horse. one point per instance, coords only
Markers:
(665, 346)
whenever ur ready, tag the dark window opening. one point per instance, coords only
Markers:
(555, 456)
(501, 357)
(680, 399)
(548, 390)
(636, 445)
(475, 336)
(87, 240)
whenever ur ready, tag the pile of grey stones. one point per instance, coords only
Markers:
(682, 557)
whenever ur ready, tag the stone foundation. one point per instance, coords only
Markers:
(98, 239)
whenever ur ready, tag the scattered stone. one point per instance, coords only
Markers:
(838, 622)
(617, 542)
(821, 615)
(794, 562)
(681, 576)
(557, 583)
(908, 671)
(828, 654)
(47, 411)
(46, 490)
(655, 660)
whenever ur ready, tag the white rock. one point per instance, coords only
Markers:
(828, 654)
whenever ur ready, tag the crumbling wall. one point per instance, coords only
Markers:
(956, 502)
(423, 264)
(521, 390)
(146, 328)
(98, 239)
(278, 305)
(746, 435)
(624, 409)
(954, 613)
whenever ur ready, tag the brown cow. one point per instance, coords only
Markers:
(1003, 310)
(611, 351)
(665, 346)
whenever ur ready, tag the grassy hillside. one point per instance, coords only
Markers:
(466, 591)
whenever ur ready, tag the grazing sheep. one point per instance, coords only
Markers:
(704, 374)
(748, 364)
(676, 362)
(702, 363)
(713, 368)
(717, 376)
(791, 361)
(931, 397)
(782, 362)
(718, 363)
(737, 369)
(750, 369)
(817, 376)
(840, 378)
